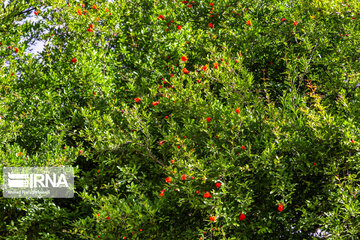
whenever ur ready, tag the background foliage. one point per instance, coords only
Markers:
(269, 109)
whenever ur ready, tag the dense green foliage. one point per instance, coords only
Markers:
(255, 103)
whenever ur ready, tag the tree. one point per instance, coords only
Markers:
(185, 120)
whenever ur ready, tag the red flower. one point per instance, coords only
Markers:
(74, 60)
(155, 103)
(208, 119)
(36, 13)
(295, 23)
(197, 191)
(179, 27)
(140, 230)
(211, 4)
(183, 177)
(248, 22)
(167, 30)
(242, 217)
(189, 6)
(280, 207)
(352, 140)
(314, 163)
(107, 218)
(162, 192)
(94, 7)
(186, 71)
(89, 29)
(168, 179)
(172, 160)
(137, 99)
(218, 185)
(211, 25)
(205, 68)
(184, 58)
(216, 65)
(161, 142)
(212, 218)
(91, 25)
(16, 49)
(207, 195)
(9, 47)
(237, 110)
(161, 17)
(243, 147)
(283, 19)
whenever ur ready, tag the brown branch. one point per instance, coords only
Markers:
(118, 148)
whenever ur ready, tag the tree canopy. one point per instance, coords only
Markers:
(184, 119)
